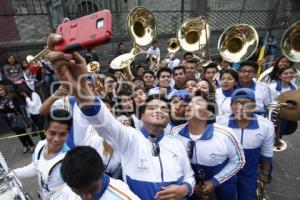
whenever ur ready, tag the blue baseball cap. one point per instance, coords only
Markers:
(183, 95)
(243, 93)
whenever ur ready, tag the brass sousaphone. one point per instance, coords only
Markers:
(193, 36)
(142, 28)
(238, 42)
(173, 46)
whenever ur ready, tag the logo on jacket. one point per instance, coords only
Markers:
(142, 166)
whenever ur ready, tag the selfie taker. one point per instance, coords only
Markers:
(162, 170)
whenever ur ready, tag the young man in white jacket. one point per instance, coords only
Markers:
(46, 159)
(83, 171)
(154, 165)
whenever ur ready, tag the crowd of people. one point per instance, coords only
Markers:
(187, 131)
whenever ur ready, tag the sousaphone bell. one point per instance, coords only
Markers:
(142, 28)
(238, 42)
(193, 36)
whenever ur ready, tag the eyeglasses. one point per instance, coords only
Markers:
(190, 148)
(243, 103)
(246, 71)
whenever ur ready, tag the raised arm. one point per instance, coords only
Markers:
(72, 69)
(59, 93)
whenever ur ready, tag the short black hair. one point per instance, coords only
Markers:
(188, 53)
(148, 72)
(61, 116)
(137, 78)
(232, 72)
(212, 105)
(211, 65)
(109, 75)
(249, 63)
(150, 98)
(164, 69)
(140, 66)
(81, 166)
(178, 68)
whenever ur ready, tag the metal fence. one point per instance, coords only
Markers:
(220, 13)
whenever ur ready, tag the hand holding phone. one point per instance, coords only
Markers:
(87, 31)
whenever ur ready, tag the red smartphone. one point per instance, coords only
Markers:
(89, 30)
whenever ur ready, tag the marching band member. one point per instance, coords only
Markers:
(246, 73)
(151, 166)
(149, 80)
(83, 171)
(210, 72)
(164, 80)
(190, 85)
(110, 157)
(284, 83)
(178, 103)
(229, 79)
(212, 149)
(256, 134)
(205, 86)
(191, 70)
(179, 77)
(280, 62)
(46, 159)
(139, 98)
(154, 50)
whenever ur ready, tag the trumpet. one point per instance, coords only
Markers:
(142, 28)
(34, 59)
(93, 68)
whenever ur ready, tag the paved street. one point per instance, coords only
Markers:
(286, 176)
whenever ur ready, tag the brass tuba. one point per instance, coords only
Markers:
(93, 68)
(173, 46)
(193, 35)
(290, 42)
(238, 42)
(142, 28)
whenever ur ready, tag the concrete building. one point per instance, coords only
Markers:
(24, 25)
